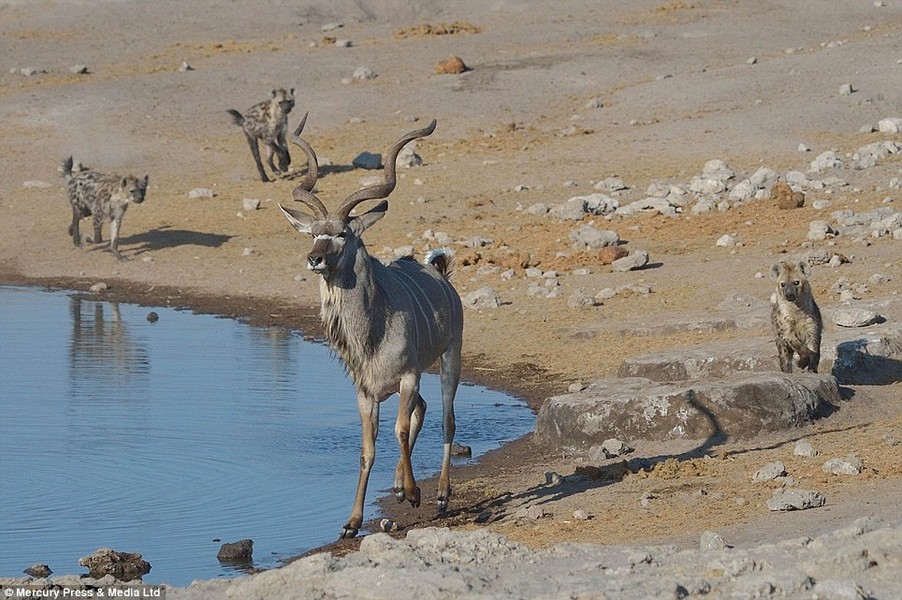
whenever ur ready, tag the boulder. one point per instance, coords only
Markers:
(123, 566)
(241, 551)
(703, 361)
(738, 406)
(875, 359)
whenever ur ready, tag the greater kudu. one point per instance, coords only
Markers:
(387, 322)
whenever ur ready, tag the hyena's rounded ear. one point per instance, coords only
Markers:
(804, 267)
(291, 92)
(123, 182)
(146, 180)
(274, 93)
(775, 271)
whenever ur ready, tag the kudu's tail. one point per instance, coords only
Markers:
(443, 261)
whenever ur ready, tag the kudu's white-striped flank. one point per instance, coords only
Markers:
(387, 322)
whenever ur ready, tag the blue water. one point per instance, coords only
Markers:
(160, 438)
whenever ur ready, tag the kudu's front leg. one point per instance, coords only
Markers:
(408, 404)
(369, 423)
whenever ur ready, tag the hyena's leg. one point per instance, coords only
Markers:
(98, 228)
(270, 151)
(784, 351)
(284, 156)
(73, 228)
(814, 357)
(255, 151)
(804, 358)
(114, 237)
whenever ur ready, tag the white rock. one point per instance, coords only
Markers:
(36, 184)
(890, 125)
(770, 471)
(484, 297)
(855, 317)
(201, 193)
(361, 73)
(820, 230)
(636, 260)
(726, 241)
(250, 204)
(849, 465)
(804, 448)
(826, 160)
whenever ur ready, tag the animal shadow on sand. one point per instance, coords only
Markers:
(501, 506)
(165, 237)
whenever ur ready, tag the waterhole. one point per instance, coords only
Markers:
(169, 437)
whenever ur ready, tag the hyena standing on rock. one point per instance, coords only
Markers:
(103, 197)
(795, 316)
(268, 121)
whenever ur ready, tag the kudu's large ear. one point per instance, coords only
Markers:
(361, 223)
(299, 220)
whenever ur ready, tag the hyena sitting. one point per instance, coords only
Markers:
(795, 316)
(268, 121)
(105, 197)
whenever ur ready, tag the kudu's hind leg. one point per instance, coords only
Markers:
(450, 373)
(416, 424)
(369, 422)
(407, 405)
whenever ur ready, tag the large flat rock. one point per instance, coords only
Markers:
(704, 361)
(738, 406)
(867, 356)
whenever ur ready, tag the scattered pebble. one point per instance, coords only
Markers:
(848, 465)
(794, 499)
(855, 317)
(451, 66)
(804, 448)
(484, 297)
(201, 193)
(36, 184)
(770, 471)
(711, 540)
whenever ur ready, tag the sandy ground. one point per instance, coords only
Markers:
(558, 97)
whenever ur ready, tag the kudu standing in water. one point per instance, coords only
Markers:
(387, 322)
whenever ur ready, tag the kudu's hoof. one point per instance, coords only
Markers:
(415, 501)
(348, 532)
(399, 494)
(442, 505)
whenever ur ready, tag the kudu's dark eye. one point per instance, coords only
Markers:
(342, 234)
(782, 284)
(795, 282)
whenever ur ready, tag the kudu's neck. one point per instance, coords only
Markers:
(353, 307)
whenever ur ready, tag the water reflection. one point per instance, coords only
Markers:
(161, 437)
(102, 356)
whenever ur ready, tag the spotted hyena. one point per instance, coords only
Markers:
(268, 121)
(103, 196)
(795, 316)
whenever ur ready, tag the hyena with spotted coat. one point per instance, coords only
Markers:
(795, 317)
(268, 122)
(103, 196)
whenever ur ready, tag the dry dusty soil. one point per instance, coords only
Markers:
(557, 97)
